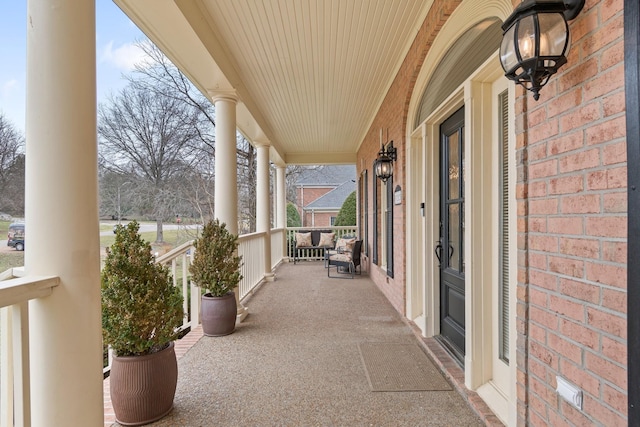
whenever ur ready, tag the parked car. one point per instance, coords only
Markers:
(15, 236)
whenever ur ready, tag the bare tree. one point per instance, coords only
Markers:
(147, 136)
(160, 76)
(247, 163)
(11, 168)
(292, 175)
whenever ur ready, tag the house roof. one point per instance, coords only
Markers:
(334, 198)
(328, 176)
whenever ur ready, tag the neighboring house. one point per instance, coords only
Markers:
(324, 210)
(321, 191)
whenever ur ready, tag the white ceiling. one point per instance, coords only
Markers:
(310, 74)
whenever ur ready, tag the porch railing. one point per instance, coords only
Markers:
(15, 293)
(315, 254)
(277, 246)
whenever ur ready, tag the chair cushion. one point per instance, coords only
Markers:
(340, 257)
(303, 240)
(326, 239)
(345, 245)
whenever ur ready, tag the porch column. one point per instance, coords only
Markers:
(281, 203)
(226, 180)
(62, 213)
(263, 205)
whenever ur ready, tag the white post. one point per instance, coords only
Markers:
(6, 364)
(226, 181)
(62, 213)
(281, 207)
(226, 185)
(281, 203)
(263, 211)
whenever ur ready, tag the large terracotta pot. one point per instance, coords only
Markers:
(143, 387)
(218, 314)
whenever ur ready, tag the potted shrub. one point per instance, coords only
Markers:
(141, 311)
(216, 268)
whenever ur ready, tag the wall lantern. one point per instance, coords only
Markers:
(383, 166)
(536, 40)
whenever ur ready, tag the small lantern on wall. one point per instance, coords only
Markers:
(383, 166)
(536, 40)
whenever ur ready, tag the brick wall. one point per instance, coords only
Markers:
(392, 118)
(571, 207)
(572, 231)
(318, 219)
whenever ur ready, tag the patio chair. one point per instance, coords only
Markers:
(347, 261)
(340, 242)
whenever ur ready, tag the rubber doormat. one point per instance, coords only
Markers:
(400, 367)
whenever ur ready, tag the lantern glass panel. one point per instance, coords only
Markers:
(527, 37)
(554, 31)
(508, 56)
(384, 168)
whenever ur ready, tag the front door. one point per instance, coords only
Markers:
(450, 247)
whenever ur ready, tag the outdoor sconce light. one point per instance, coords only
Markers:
(383, 166)
(536, 40)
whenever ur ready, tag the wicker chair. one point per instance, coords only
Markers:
(346, 260)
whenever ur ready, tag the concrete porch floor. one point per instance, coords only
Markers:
(294, 361)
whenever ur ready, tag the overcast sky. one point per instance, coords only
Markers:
(115, 54)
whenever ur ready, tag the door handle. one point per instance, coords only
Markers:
(450, 252)
(438, 251)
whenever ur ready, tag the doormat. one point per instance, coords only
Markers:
(400, 367)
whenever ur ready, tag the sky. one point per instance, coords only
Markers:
(115, 54)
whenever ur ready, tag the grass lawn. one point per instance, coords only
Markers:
(4, 229)
(11, 259)
(172, 239)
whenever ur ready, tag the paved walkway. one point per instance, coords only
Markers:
(294, 361)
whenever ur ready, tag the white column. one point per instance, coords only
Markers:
(281, 203)
(226, 185)
(263, 206)
(62, 213)
(281, 206)
(226, 178)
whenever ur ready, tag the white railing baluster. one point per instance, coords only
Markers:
(185, 288)
(21, 375)
(6, 368)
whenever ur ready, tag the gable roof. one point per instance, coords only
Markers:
(328, 175)
(334, 198)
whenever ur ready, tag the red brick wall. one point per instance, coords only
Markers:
(392, 118)
(572, 230)
(571, 190)
(318, 219)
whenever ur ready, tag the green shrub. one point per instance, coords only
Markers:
(293, 217)
(216, 265)
(140, 305)
(347, 214)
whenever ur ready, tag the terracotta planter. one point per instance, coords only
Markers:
(218, 314)
(143, 387)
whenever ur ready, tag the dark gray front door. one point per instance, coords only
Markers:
(450, 248)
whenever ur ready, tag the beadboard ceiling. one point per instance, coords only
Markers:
(309, 74)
